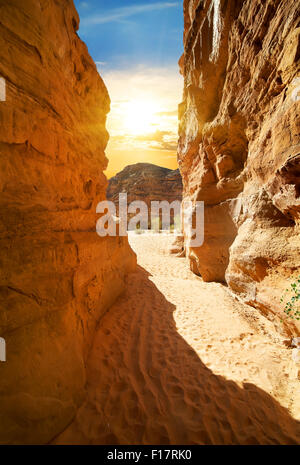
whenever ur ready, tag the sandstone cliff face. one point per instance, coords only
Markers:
(239, 143)
(146, 182)
(57, 277)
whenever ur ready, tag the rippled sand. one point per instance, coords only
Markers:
(179, 361)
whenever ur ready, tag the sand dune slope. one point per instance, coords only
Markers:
(179, 361)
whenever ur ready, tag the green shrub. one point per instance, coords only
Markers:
(291, 298)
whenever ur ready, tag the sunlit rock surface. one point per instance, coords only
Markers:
(57, 277)
(239, 143)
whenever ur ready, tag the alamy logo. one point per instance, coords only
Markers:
(2, 90)
(187, 217)
(2, 350)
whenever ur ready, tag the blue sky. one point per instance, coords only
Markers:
(136, 45)
(123, 33)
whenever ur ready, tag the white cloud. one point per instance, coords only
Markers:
(160, 84)
(162, 87)
(126, 12)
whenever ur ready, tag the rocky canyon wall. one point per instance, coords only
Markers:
(239, 144)
(57, 277)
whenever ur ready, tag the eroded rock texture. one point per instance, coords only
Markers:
(239, 143)
(57, 277)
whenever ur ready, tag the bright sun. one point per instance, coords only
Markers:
(140, 116)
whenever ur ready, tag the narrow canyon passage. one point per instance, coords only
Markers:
(179, 361)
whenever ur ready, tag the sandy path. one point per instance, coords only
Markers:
(179, 361)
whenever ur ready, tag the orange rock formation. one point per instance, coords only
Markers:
(57, 277)
(239, 143)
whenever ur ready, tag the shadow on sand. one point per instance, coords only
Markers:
(146, 385)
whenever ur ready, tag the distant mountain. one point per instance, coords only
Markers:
(147, 182)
